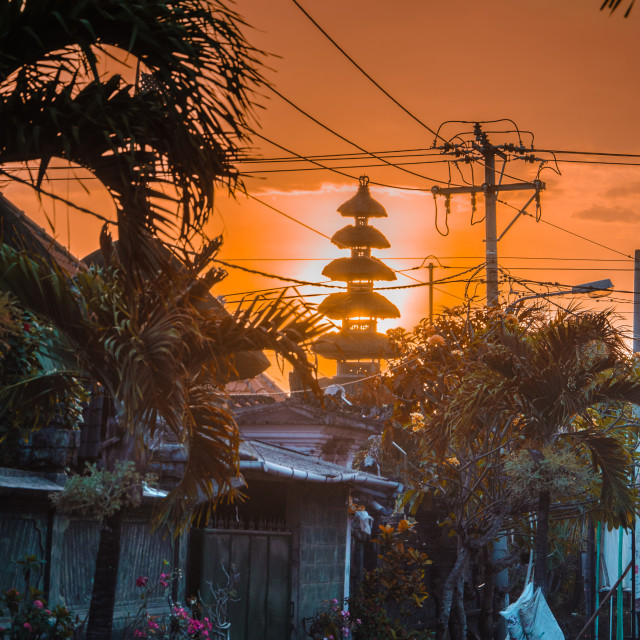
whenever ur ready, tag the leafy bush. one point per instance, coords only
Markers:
(29, 616)
(33, 393)
(100, 493)
(397, 584)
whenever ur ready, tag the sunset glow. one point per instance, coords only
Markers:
(566, 72)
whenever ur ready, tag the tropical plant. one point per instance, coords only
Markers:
(388, 595)
(162, 355)
(481, 388)
(142, 328)
(27, 369)
(332, 622)
(159, 146)
(545, 379)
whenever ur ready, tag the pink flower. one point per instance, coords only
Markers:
(180, 613)
(139, 634)
(38, 604)
(142, 581)
(153, 624)
(164, 583)
(48, 612)
(358, 621)
(195, 626)
(27, 626)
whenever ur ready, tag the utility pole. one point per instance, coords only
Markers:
(490, 189)
(431, 266)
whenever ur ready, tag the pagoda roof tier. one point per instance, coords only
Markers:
(360, 236)
(358, 268)
(358, 304)
(352, 345)
(362, 205)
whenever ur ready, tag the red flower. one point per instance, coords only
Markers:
(142, 581)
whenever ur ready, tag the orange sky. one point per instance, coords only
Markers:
(562, 70)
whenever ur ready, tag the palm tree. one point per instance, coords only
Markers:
(162, 355)
(139, 327)
(612, 5)
(159, 151)
(545, 379)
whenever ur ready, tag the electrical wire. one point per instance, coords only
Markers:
(342, 173)
(363, 72)
(347, 140)
(286, 215)
(555, 226)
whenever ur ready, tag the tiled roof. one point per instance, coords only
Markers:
(273, 460)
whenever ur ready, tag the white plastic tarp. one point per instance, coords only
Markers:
(529, 618)
(609, 557)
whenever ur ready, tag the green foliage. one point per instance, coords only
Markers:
(33, 392)
(29, 616)
(561, 472)
(394, 590)
(101, 493)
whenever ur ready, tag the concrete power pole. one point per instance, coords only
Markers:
(490, 190)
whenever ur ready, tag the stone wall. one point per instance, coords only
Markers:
(319, 547)
(68, 548)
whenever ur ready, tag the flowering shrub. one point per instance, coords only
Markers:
(396, 585)
(194, 621)
(333, 623)
(29, 616)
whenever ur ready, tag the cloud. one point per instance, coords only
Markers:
(629, 189)
(608, 214)
(348, 189)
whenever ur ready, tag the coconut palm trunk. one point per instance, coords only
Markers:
(541, 542)
(105, 580)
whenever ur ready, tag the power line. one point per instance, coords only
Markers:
(286, 215)
(347, 140)
(342, 173)
(363, 72)
(555, 226)
(425, 266)
(396, 165)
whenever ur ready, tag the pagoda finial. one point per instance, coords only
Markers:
(364, 181)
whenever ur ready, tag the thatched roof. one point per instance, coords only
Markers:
(362, 205)
(362, 236)
(21, 233)
(358, 268)
(352, 345)
(358, 304)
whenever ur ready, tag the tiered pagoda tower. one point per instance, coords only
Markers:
(358, 347)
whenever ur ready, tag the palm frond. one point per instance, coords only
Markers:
(212, 439)
(617, 499)
(191, 130)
